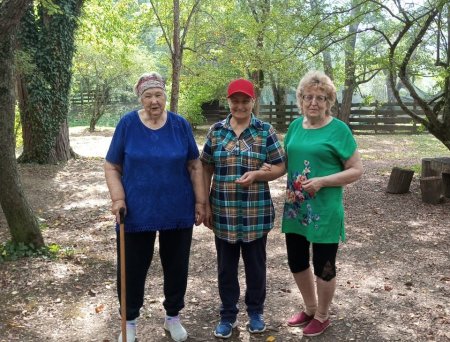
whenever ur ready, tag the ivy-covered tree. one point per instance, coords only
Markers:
(46, 40)
(22, 223)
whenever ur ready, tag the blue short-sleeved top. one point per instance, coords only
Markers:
(158, 190)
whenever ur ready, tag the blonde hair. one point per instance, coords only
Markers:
(318, 80)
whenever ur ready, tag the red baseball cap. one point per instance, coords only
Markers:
(241, 86)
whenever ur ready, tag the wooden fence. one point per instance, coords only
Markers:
(374, 118)
(88, 98)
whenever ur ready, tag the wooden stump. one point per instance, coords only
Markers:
(427, 169)
(446, 184)
(399, 181)
(431, 189)
(435, 166)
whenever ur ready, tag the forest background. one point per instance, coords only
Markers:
(54, 51)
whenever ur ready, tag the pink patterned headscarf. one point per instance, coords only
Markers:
(147, 81)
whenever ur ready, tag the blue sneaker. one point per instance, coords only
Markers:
(224, 329)
(256, 323)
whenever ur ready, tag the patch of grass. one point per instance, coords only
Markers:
(416, 168)
(397, 147)
(10, 251)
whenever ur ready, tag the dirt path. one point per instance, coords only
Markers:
(393, 272)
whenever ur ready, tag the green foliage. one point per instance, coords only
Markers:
(206, 87)
(108, 60)
(417, 168)
(50, 6)
(18, 129)
(367, 100)
(12, 251)
(421, 128)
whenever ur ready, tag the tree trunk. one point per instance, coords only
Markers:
(257, 78)
(62, 150)
(389, 91)
(350, 67)
(327, 64)
(176, 58)
(279, 93)
(59, 152)
(346, 105)
(22, 223)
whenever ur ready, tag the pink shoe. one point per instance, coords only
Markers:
(315, 327)
(299, 319)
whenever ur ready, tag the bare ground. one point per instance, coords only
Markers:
(393, 272)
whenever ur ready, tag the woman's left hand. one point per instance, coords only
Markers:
(200, 213)
(246, 179)
(312, 185)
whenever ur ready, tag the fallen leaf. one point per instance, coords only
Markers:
(99, 308)
(270, 339)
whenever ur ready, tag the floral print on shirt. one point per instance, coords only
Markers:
(296, 195)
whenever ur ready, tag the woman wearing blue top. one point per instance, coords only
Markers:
(152, 167)
(322, 157)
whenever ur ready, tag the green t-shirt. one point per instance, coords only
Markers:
(315, 153)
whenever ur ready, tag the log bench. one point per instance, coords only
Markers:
(435, 179)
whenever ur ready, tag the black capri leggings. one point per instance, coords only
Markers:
(324, 256)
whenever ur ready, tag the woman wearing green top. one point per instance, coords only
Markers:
(322, 157)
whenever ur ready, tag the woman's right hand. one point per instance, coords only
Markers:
(115, 207)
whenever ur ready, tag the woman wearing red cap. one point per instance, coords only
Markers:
(241, 155)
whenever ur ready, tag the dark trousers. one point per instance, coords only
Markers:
(324, 256)
(174, 250)
(254, 256)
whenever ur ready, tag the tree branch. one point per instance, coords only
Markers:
(186, 25)
(166, 37)
(403, 72)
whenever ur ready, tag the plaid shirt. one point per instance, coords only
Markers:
(241, 214)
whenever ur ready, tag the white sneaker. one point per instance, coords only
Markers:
(173, 325)
(131, 331)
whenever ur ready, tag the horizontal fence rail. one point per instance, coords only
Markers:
(373, 118)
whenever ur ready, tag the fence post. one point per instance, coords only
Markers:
(414, 121)
(376, 116)
(291, 114)
(270, 112)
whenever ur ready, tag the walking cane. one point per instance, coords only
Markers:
(123, 287)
